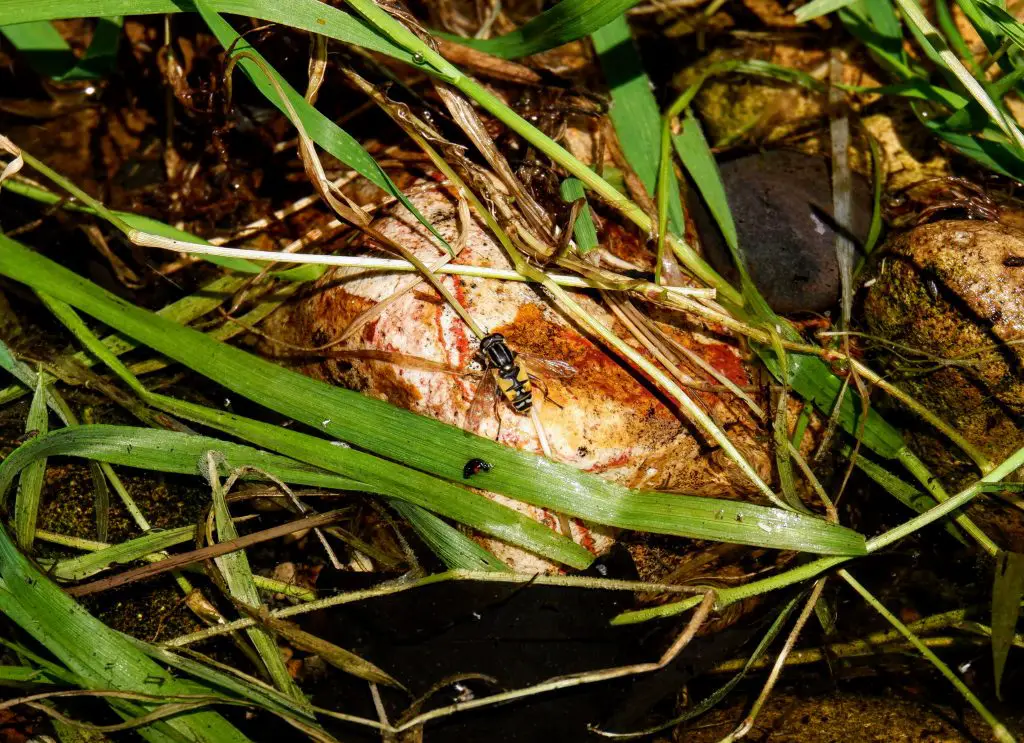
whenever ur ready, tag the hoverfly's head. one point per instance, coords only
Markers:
(490, 341)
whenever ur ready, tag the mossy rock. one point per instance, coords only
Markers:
(952, 292)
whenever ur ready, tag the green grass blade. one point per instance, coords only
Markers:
(182, 311)
(944, 17)
(392, 479)
(427, 444)
(700, 163)
(901, 490)
(41, 45)
(818, 8)
(270, 436)
(455, 549)
(917, 89)
(813, 380)
(634, 111)
(877, 186)
(452, 546)
(1001, 19)
(1007, 589)
(261, 695)
(567, 21)
(103, 658)
(809, 376)
(308, 15)
(874, 22)
(994, 152)
(79, 568)
(18, 676)
(72, 322)
(696, 156)
(50, 55)
(30, 486)
(51, 668)
(234, 568)
(101, 54)
(935, 46)
(583, 230)
(168, 451)
(162, 451)
(982, 22)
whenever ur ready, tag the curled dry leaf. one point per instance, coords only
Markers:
(14, 165)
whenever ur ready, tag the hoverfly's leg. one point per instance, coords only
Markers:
(496, 414)
(538, 401)
(542, 436)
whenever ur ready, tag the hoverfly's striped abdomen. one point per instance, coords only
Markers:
(512, 379)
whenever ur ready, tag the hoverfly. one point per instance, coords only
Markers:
(513, 379)
(510, 377)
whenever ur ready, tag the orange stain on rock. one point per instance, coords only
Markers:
(725, 359)
(597, 374)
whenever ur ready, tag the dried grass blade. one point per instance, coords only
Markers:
(322, 130)
(343, 660)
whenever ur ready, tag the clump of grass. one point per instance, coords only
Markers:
(415, 463)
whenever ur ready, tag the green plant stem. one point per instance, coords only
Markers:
(398, 586)
(873, 644)
(727, 596)
(979, 458)
(1007, 467)
(666, 179)
(608, 193)
(998, 729)
(915, 16)
(918, 469)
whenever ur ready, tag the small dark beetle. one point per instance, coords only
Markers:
(475, 466)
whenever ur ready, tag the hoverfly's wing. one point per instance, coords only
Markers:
(549, 367)
(483, 404)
